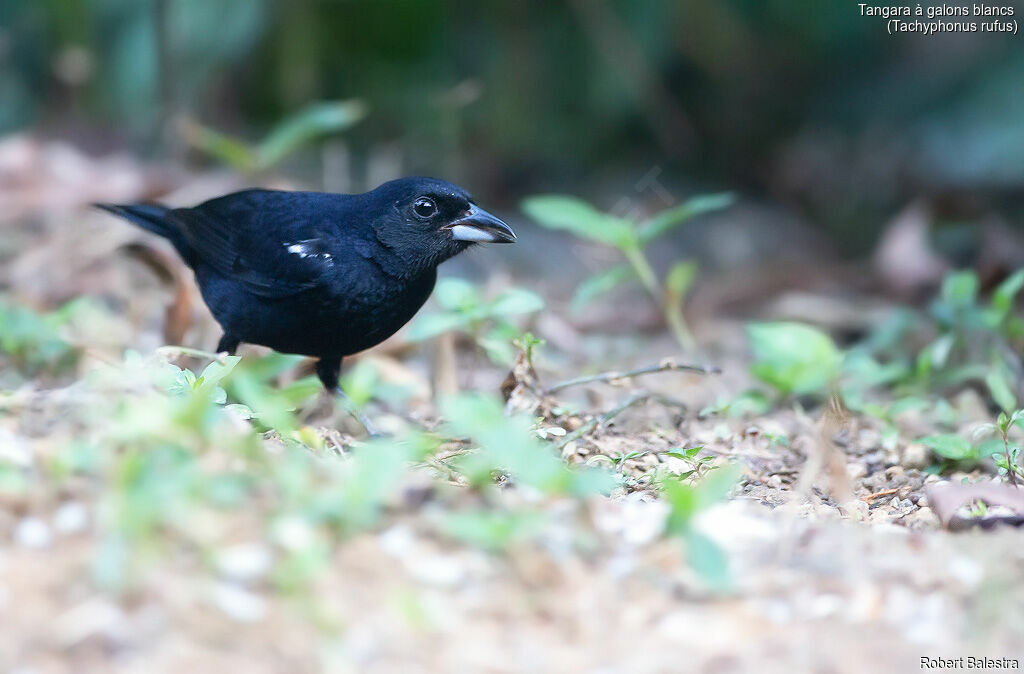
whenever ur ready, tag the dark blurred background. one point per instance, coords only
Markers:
(808, 108)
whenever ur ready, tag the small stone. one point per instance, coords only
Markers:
(896, 476)
(15, 449)
(398, 540)
(438, 569)
(244, 562)
(239, 604)
(857, 509)
(70, 518)
(293, 533)
(94, 616)
(966, 570)
(856, 470)
(34, 533)
(916, 455)
(921, 518)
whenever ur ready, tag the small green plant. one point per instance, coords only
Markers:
(699, 465)
(508, 444)
(686, 501)
(751, 402)
(494, 529)
(975, 340)
(991, 440)
(33, 341)
(486, 321)
(1007, 462)
(292, 134)
(954, 448)
(631, 239)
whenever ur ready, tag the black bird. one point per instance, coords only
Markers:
(323, 275)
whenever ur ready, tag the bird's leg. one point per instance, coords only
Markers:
(228, 343)
(327, 369)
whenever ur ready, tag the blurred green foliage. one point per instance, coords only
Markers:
(686, 501)
(776, 97)
(971, 342)
(33, 342)
(631, 240)
(488, 322)
(793, 358)
(174, 452)
(287, 137)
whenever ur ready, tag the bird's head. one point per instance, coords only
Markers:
(425, 221)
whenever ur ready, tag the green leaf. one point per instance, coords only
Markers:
(1004, 296)
(793, 358)
(686, 501)
(217, 370)
(960, 289)
(581, 219)
(268, 405)
(669, 219)
(950, 446)
(427, 326)
(935, 355)
(310, 123)
(988, 429)
(708, 560)
(515, 301)
(598, 284)
(493, 530)
(373, 476)
(227, 149)
(360, 382)
(508, 444)
(457, 294)
(751, 402)
(685, 454)
(1000, 389)
(498, 347)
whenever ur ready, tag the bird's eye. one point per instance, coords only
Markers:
(424, 207)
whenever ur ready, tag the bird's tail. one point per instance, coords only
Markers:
(148, 216)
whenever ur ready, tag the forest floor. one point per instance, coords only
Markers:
(140, 535)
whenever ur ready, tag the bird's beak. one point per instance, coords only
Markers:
(480, 226)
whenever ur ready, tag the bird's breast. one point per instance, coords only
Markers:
(379, 307)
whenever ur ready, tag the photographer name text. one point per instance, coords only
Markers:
(970, 663)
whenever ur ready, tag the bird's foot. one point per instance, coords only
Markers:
(357, 414)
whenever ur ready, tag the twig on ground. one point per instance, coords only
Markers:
(442, 467)
(603, 419)
(666, 365)
(879, 494)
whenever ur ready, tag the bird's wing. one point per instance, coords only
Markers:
(261, 239)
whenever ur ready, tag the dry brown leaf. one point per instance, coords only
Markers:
(946, 499)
